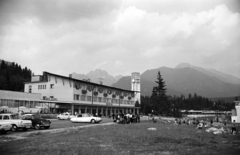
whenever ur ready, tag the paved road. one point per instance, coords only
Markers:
(58, 124)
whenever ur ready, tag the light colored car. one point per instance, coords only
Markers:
(5, 127)
(16, 121)
(65, 115)
(85, 118)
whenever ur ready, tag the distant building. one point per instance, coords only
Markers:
(204, 113)
(236, 112)
(12, 101)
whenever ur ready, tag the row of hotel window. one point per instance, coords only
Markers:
(20, 103)
(101, 99)
(84, 87)
(45, 86)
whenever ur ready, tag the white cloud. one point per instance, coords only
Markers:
(124, 39)
(119, 63)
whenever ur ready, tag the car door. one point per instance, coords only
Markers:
(30, 118)
(65, 116)
(79, 118)
(86, 118)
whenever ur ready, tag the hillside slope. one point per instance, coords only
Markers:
(183, 81)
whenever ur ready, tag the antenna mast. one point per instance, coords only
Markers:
(100, 80)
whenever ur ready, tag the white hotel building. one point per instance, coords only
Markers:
(59, 94)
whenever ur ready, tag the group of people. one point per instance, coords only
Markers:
(182, 121)
(3, 111)
(126, 118)
(201, 124)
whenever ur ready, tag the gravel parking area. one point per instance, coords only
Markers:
(56, 126)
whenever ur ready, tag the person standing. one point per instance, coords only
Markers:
(130, 117)
(138, 118)
(211, 121)
(234, 130)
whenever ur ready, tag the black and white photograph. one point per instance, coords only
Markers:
(119, 77)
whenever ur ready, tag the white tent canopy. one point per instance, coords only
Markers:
(39, 107)
(22, 107)
(4, 107)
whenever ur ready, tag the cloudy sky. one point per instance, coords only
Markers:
(120, 36)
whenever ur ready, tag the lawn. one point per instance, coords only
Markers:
(126, 139)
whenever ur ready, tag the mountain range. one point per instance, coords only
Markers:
(97, 76)
(185, 79)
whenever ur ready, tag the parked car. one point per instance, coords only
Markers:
(16, 121)
(5, 127)
(86, 117)
(65, 115)
(37, 122)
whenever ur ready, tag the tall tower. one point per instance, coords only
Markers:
(135, 86)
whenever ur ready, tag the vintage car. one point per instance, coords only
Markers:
(16, 121)
(37, 121)
(65, 115)
(86, 117)
(5, 127)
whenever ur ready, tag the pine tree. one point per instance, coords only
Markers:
(159, 98)
(12, 76)
(137, 104)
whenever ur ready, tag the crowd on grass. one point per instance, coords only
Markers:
(208, 125)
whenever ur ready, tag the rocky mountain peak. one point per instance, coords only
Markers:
(183, 65)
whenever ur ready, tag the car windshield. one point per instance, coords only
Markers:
(87, 115)
(32, 116)
(14, 116)
(35, 116)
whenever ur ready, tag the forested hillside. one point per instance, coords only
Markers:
(13, 75)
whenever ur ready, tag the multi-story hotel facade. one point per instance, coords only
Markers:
(61, 94)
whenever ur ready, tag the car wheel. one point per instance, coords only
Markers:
(37, 126)
(46, 127)
(25, 129)
(93, 121)
(59, 118)
(14, 128)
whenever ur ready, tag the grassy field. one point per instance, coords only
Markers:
(128, 139)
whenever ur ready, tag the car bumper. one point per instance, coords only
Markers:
(45, 124)
(26, 126)
(5, 127)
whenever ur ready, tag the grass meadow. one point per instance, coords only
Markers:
(126, 139)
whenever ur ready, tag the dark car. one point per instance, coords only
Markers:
(37, 121)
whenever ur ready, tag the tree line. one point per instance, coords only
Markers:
(161, 104)
(13, 76)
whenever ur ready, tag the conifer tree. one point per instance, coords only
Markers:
(159, 98)
(12, 76)
(137, 104)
